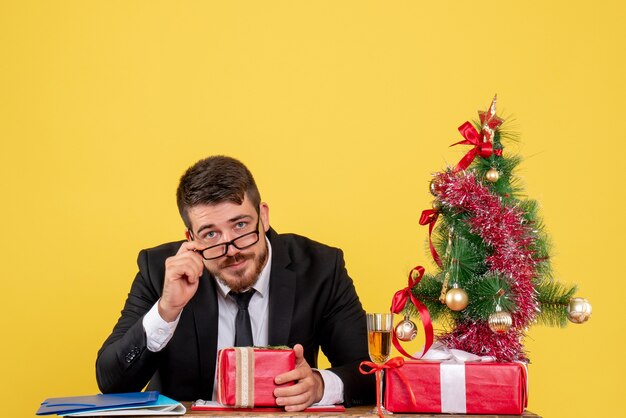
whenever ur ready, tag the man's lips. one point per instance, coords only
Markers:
(235, 263)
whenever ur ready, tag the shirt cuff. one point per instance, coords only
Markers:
(333, 388)
(158, 332)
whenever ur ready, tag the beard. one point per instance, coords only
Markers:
(240, 280)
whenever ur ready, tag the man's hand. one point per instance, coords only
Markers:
(309, 387)
(182, 276)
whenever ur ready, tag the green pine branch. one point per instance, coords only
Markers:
(427, 291)
(553, 298)
(485, 293)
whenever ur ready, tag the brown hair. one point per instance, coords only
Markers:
(213, 180)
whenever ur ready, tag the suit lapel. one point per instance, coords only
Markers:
(204, 307)
(282, 293)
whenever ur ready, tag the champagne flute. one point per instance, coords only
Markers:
(379, 329)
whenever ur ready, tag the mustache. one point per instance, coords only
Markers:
(237, 258)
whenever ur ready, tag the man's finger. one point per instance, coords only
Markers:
(290, 376)
(189, 246)
(296, 397)
(186, 263)
(292, 398)
(296, 408)
(185, 271)
(293, 390)
(298, 350)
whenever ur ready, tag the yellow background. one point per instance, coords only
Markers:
(342, 110)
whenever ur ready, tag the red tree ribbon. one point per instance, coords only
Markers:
(397, 305)
(377, 368)
(429, 217)
(472, 137)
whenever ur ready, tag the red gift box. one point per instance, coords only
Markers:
(472, 388)
(246, 375)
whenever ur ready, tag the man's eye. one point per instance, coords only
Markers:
(210, 235)
(241, 225)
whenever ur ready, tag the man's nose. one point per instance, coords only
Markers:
(232, 250)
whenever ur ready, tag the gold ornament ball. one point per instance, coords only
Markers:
(406, 330)
(500, 322)
(433, 188)
(579, 310)
(492, 175)
(436, 205)
(457, 299)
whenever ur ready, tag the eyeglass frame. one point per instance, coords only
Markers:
(231, 242)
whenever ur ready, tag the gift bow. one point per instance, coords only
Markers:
(377, 368)
(429, 217)
(472, 137)
(439, 352)
(399, 302)
(374, 367)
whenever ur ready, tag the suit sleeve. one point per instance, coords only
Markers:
(344, 338)
(124, 364)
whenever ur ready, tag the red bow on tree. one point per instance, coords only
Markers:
(397, 305)
(429, 217)
(483, 141)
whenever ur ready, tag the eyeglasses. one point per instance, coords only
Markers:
(241, 243)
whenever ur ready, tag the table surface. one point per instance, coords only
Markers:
(359, 411)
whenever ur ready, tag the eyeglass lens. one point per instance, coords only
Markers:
(240, 243)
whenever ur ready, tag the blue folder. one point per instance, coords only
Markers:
(62, 406)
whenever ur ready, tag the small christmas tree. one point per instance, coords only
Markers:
(494, 278)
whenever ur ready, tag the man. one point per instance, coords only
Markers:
(182, 307)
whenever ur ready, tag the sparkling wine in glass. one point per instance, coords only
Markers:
(379, 346)
(379, 329)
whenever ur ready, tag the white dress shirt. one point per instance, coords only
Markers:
(159, 332)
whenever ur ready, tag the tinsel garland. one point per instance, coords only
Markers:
(511, 238)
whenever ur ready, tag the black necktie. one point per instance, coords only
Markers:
(243, 328)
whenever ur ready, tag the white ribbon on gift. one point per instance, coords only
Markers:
(452, 374)
(441, 353)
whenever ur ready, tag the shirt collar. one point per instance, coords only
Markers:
(262, 284)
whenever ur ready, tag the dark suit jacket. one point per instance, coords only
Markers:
(312, 302)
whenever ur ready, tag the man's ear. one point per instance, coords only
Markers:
(188, 235)
(264, 213)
